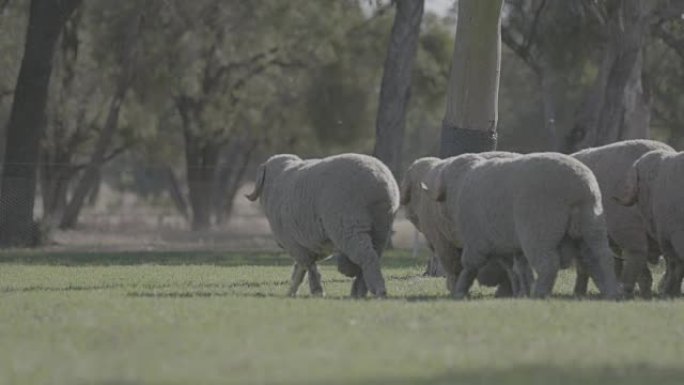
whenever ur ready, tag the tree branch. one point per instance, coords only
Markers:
(519, 49)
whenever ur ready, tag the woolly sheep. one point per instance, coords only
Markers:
(537, 204)
(655, 183)
(344, 203)
(430, 219)
(626, 229)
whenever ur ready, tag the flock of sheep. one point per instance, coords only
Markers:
(508, 220)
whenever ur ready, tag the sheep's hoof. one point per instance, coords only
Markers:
(318, 294)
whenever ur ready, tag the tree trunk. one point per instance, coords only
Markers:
(616, 107)
(176, 194)
(395, 90)
(91, 175)
(54, 185)
(472, 95)
(231, 177)
(201, 159)
(27, 121)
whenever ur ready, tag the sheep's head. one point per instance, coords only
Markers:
(414, 175)
(449, 172)
(635, 185)
(269, 169)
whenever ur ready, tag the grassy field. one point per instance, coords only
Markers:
(209, 318)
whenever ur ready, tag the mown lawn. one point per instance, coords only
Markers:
(209, 318)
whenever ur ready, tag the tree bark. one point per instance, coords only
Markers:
(616, 107)
(27, 122)
(472, 96)
(395, 90)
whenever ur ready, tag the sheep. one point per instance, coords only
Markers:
(654, 184)
(430, 219)
(344, 203)
(626, 229)
(540, 204)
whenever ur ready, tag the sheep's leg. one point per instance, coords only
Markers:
(450, 257)
(678, 271)
(524, 275)
(582, 279)
(361, 252)
(645, 283)
(507, 287)
(600, 264)
(315, 281)
(298, 272)
(635, 261)
(667, 283)
(546, 263)
(359, 288)
(471, 262)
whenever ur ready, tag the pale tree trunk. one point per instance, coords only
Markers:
(616, 107)
(395, 90)
(27, 122)
(472, 95)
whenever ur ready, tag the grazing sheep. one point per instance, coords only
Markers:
(538, 204)
(654, 183)
(626, 229)
(430, 219)
(344, 203)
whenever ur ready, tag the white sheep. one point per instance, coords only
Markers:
(432, 221)
(537, 204)
(343, 204)
(626, 228)
(654, 183)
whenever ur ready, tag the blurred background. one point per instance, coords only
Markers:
(158, 111)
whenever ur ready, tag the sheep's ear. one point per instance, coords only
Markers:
(627, 189)
(259, 184)
(438, 190)
(405, 191)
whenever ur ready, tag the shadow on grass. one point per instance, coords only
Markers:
(395, 259)
(533, 375)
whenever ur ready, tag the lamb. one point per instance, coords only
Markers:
(626, 228)
(344, 203)
(539, 204)
(654, 184)
(430, 219)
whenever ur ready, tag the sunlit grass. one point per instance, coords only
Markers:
(205, 318)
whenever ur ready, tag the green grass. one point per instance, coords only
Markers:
(209, 318)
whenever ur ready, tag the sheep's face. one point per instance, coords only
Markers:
(447, 177)
(414, 176)
(269, 170)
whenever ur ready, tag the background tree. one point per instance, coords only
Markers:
(395, 90)
(27, 121)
